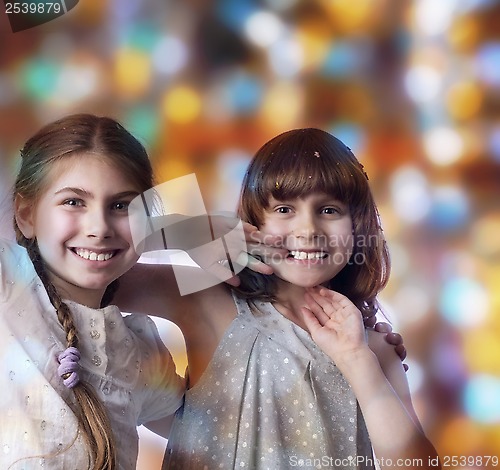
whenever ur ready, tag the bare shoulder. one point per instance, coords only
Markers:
(389, 360)
(393, 369)
(159, 290)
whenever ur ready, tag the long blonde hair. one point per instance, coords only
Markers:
(78, 134)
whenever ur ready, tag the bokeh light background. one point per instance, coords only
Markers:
(413, 87)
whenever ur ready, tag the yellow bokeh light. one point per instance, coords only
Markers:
(132, 72)
(353, 16)
(170, 168)
(464, 100)
(283, 105)
(459, 436)
(181, 105)
(315, 40)
(464, 33)
(485, 240)
(482, 350)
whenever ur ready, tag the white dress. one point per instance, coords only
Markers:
(123, 358)
(269, 399)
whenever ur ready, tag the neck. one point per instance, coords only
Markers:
(88, 297)
(289, 300)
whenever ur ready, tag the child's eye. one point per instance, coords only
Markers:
(283, 210)
(73, 202)
(120, 206)
(330, 210)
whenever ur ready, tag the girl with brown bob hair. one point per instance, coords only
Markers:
(304, 161)
(271, 383)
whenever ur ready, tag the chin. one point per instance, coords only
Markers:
(304, 283)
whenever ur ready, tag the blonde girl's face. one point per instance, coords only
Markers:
(81, 226)
(316, 230)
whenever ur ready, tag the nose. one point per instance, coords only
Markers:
(98, 225)
(306, 226)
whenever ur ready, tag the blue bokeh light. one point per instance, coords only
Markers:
(464, 302)
(480, 398)
(244, 92)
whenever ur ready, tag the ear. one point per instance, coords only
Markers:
(24, 212)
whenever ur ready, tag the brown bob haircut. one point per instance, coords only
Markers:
(303, 161)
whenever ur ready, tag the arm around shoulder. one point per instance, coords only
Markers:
(380, 384)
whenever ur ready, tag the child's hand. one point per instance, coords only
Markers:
(262, 247)
(335, 324)
(394, 339)
(236, 245)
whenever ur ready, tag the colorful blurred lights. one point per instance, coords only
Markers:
(132, 72)
(464, 302)
(39, 78)
(413, 300)
(480, 398)
(169, 55)
(443, 145)
(263, 28)
(182, 104)
(422, 83)
(432, 17)
(243, 92)
(76, 83)
(282, 105)
(494, 142)
(450, 208)
(410, 194)
(487, 63)
(464, 100)
(286, 57)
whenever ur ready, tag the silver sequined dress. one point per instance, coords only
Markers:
(269, 399)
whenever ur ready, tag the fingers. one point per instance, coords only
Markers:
(316, 309)
(397, 340)
(332, 302)
(311, 320)
(255, 237)
(401, 351)
(394, 338)
(383, 327)
(246, 260)
(223, 272)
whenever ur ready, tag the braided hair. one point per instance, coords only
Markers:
(76, 135)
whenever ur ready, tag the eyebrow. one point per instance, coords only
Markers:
(83, 193)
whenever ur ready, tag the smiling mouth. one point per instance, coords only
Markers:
(309, 255)
(93, 256)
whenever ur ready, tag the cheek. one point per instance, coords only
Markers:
(273, 227)
(122, 226)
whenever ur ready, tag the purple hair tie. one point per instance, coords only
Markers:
(68, 366)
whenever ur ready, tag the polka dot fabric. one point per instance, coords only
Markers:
(269, 399)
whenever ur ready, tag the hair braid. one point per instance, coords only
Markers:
(90, 412)
(82, 136)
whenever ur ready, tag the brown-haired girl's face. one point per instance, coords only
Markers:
(81, 226)
(317, 232)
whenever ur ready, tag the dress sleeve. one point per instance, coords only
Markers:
(163, 388)
(16, 270)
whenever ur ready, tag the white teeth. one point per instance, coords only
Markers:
(92, 255)
(308, 255)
